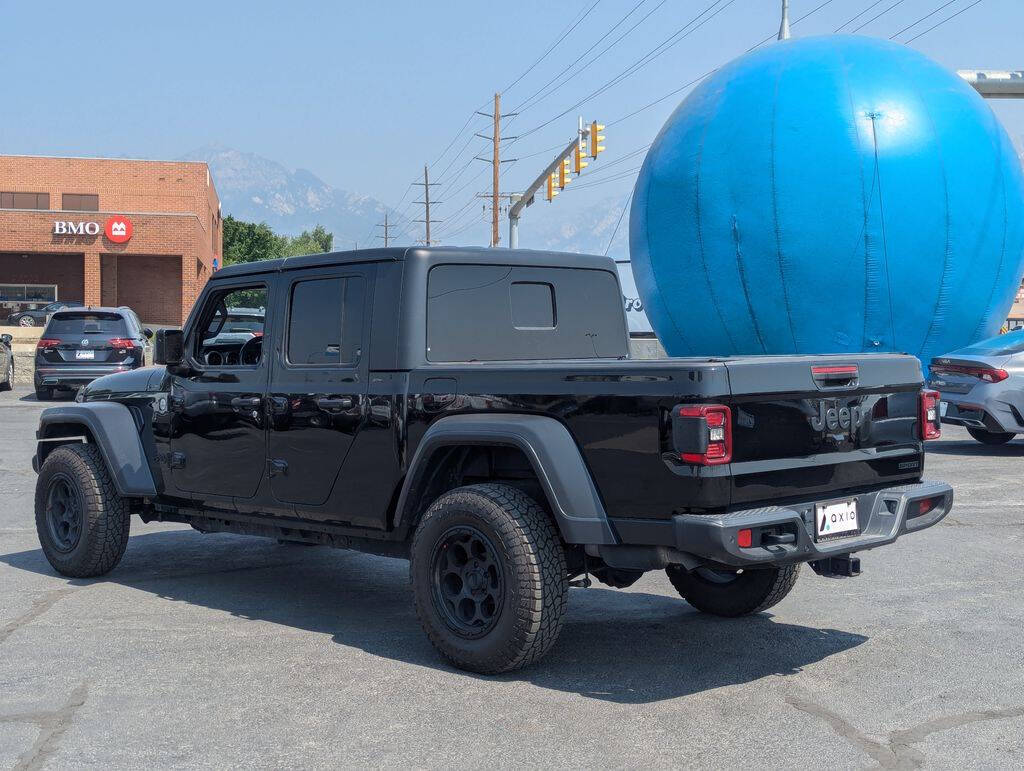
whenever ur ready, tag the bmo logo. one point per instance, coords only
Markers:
(118, 229)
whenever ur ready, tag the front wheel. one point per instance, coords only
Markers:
(489, 578)
(26, 321)
(990, 437)
(730, 594)
(81, 519)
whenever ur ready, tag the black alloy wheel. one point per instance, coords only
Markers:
(64, 513)
(468, 581)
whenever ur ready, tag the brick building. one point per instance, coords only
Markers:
(146, 234)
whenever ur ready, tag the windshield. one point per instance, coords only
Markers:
(1000, 345)
(87, 324)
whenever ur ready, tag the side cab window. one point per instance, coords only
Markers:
(325, 321)
(230, 328)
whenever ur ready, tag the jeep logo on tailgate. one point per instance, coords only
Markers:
(836, 419)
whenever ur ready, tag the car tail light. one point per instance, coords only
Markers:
(47, 342)
(745, 538)
(703, 434)
(122, 343)
(988, 374)
(931, 426)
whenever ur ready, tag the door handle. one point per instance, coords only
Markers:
(334, 403)
(246, 402)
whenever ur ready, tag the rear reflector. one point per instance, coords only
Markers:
(931, 426)
(843, 369)
(988, 374)
(744, 539)
(46, 342)
(707, 438)
(925, 505)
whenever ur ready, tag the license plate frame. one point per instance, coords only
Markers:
(834, 520)
(85, 355)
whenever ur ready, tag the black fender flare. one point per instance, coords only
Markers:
(551, 451)
(114, 432)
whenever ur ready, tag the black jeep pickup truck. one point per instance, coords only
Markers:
(476, 411)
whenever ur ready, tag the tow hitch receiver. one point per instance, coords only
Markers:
(843, 566)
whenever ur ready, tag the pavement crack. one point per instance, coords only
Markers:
(52, 726)
(898, 751)
(40, 605)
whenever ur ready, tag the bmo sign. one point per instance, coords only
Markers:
(117, 229)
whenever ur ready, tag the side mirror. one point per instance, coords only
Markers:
(148, 333)
(170, 347)
(5, 339)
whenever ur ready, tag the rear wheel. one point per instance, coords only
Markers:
(727, 593)
(489, 578)
(26, 321)
(81, 520)
(990, 437)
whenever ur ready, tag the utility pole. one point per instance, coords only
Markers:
(495, 161)
(426, 202)
(387, 234)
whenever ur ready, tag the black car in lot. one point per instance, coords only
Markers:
(6, 363)
(36, 317)
(81, 345)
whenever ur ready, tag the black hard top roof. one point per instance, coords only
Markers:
(433, 254)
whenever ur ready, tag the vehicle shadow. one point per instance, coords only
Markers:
(618, 646)
(1014, 449)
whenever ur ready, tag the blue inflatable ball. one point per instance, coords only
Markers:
(829, 195)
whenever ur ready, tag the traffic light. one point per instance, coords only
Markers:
(552, 192)
(564, 176)
(577, 158)
(596, 138)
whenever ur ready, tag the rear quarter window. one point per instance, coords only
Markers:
(509, 313)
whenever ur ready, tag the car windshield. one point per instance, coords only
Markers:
(1000, 345)
(243, 324)
(90, 323)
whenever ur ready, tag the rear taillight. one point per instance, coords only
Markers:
(703, 434)
(931, 426)
(122, 343)
(46, 342)
(988, 374)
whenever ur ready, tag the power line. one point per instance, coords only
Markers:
(530, 101)
(554, 45)
(876, 16)
(948, 18)
(854, 18)
(619, 222)
(775, 35)
(678, 36)
(926, 16)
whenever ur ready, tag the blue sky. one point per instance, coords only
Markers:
(363, 94)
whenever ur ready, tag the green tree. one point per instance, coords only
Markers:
(310, 242)
(252, 241)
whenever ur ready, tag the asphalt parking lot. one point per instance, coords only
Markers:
(219, 650)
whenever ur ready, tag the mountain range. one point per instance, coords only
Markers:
(258, 189)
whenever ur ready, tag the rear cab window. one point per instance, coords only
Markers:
(510, 313)
(325, 317)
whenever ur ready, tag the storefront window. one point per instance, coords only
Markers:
(32, 293)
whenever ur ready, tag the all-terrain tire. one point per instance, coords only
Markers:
(990, 437)
(749, 592)
(104, 517)
(527, 555)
